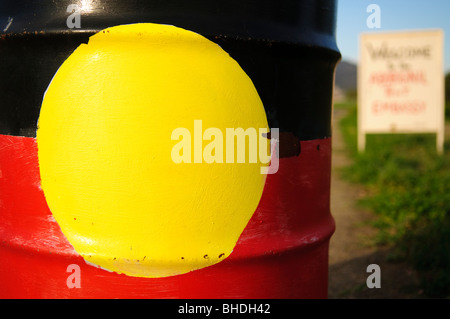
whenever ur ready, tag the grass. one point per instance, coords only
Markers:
(409, 192)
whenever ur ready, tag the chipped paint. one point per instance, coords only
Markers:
(104, 148)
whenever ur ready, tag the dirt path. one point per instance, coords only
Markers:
(350, 249)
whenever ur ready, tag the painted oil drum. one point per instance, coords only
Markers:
(287, 48)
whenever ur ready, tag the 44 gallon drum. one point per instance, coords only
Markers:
(166, 149)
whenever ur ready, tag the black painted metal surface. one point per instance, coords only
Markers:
(287, 48)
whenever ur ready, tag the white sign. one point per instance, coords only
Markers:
(401, 84)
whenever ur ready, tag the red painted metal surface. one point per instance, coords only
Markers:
(282, 253)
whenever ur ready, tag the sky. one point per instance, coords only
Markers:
(395, 15)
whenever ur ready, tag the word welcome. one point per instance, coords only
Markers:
(402, 52)
(235, 143)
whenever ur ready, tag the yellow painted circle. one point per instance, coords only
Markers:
(104, 146)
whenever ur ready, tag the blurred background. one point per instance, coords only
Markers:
(392, 202)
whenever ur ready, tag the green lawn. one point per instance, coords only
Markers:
(409, 191)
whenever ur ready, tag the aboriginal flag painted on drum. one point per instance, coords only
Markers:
(166, 149)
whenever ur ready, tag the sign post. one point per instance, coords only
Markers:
(401, 84)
